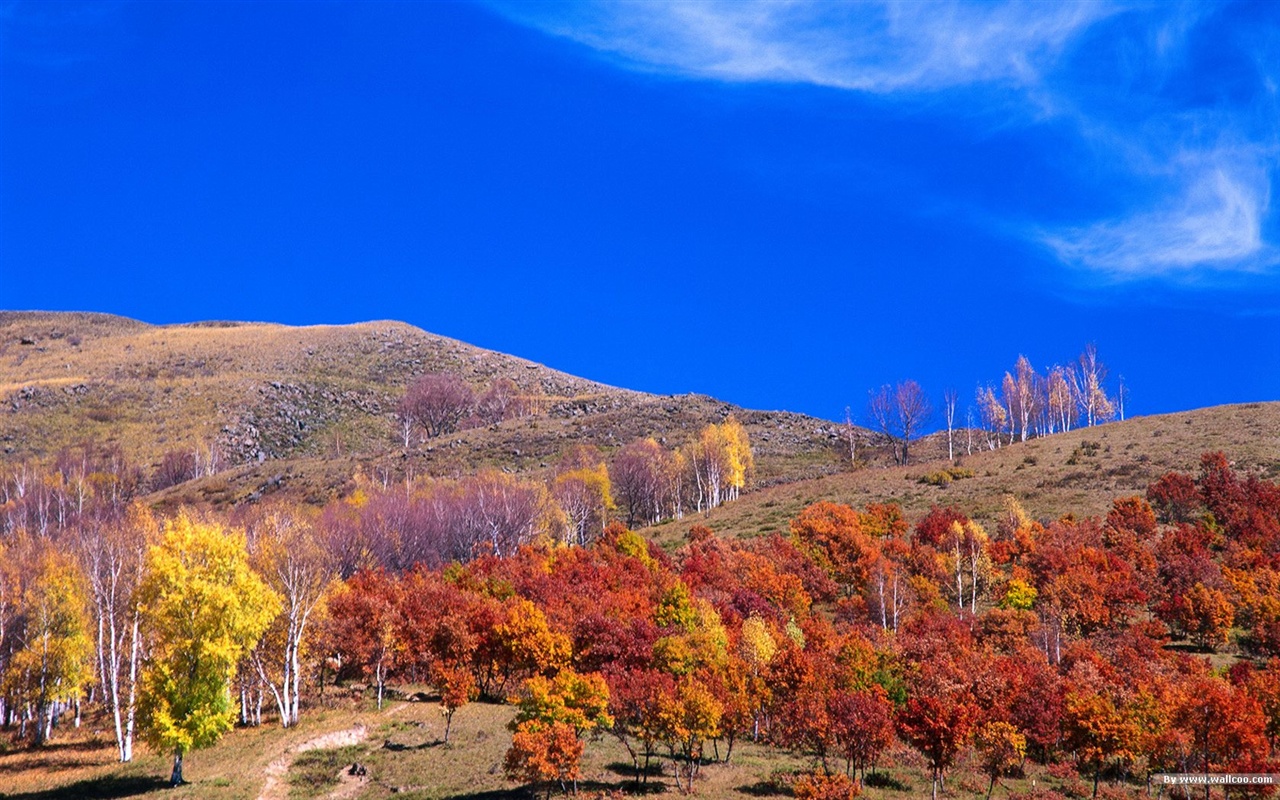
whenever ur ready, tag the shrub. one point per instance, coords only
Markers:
(945, 476)
(819, 786)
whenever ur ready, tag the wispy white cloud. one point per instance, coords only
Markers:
(1207, 205)
(877, 47)
(1213, 221)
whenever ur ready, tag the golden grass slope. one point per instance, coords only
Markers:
(1079, 472)
(301, 408)
(405, 758)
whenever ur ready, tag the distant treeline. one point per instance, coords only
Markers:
(1027, 404)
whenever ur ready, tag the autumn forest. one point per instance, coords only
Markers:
(877, 648)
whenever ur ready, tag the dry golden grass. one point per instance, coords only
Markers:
(154, 388)
(1079, 472)
(317, 402)
(405, 758)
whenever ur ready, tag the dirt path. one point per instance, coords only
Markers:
(277, 788)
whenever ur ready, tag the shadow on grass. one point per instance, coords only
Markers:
(98, 789)
(764, 789)
(519, 793)
(51, 764)
(632, 783)
(55, 756)
(628, 787)
(587, 788)
(626, 769)
(80, 746)
(397, 747)
(882, 780)
(1189, 647)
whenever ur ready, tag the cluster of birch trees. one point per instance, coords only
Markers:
(654, 483)
(1030, 404)
(1027, 404)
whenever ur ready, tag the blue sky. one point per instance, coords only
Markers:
(784, 205)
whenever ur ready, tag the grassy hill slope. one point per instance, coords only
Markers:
(299, 409)
(1078, 472)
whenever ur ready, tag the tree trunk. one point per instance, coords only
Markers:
(176, 778)
(131, 705)
(44, 727)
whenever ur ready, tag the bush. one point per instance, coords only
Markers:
(945, 476)
(819, 786)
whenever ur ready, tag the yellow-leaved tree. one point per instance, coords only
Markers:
(586, 498)
(737, 447)
(55, 659)
(722, 462)
(203, 607)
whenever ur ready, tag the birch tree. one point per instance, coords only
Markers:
(950, 398)
(993, 415)
(288, 556)
(1091, 395)
(1060, 399)
(1021, 396)
(113, 557)
(55, 656)
(586, 500)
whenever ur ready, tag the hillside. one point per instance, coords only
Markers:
(300, 409)
(1078, 472)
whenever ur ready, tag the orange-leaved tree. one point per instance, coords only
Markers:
(554, 715)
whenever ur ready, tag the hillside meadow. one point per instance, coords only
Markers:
(364, 561)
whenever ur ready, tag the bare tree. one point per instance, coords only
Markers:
(499, 512)
(404, 415)
(1091, 396)
(913, 412)
(851, 437)
(113, 556)
(501, 401)
(438, 402)
(636, 473)
(949, 399)
(900, 412)
(288, 556)
(880, 410)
